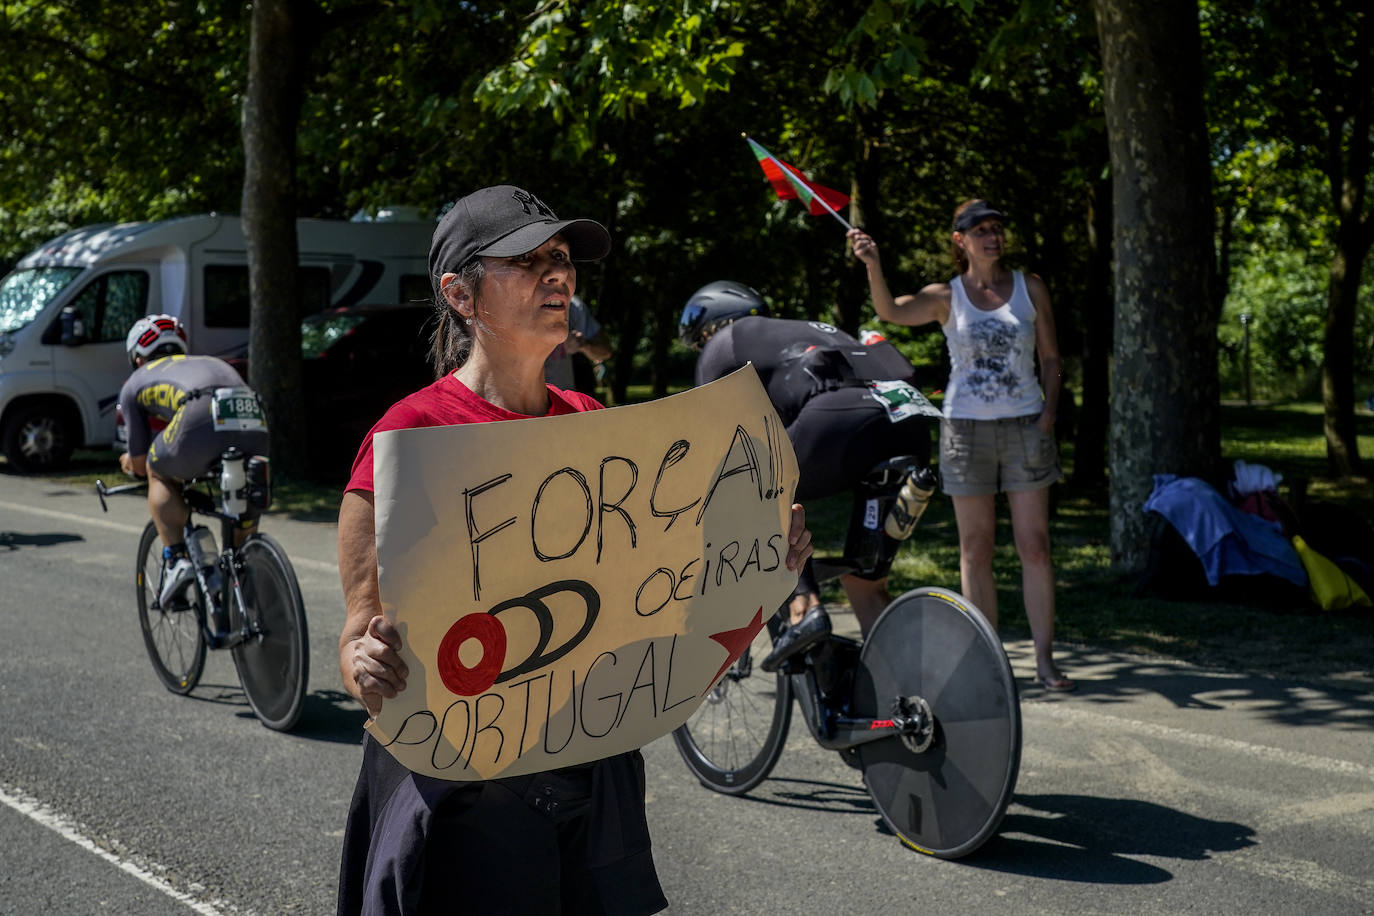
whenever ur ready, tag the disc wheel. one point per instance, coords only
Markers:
(173, 636)
(735, 737)
(274, 661)
(931, 651)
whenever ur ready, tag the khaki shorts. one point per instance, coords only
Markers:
(978, 457)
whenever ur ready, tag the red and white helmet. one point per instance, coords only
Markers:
(155, 335)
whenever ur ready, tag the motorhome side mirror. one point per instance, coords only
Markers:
(73, 328)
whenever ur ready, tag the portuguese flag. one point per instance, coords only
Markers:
(790, 184)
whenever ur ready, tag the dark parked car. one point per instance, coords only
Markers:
(357, 362)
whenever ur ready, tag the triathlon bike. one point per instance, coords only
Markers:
(927, 708)
(245, 599)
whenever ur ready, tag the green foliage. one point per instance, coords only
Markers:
(631, 113)
(580, 62)
(116, 112)
(1284, 300)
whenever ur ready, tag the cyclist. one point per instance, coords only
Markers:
(818, 380)
(177, 427)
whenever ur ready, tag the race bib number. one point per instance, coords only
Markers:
(237, 409)
(902, 400)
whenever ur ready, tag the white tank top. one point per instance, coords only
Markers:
(992, 357)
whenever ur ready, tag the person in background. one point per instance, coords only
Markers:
(584, 337)
(998, 431)
(572, 840)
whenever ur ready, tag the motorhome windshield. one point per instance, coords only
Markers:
(24, 293)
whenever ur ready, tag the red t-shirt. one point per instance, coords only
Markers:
(448, 402)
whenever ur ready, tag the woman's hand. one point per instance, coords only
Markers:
(375, 662)
(1046, 422)
(865, 249)
(798, 540)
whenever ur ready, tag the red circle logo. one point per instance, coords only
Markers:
(464, 680)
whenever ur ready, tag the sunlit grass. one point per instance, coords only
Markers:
(1097, 604)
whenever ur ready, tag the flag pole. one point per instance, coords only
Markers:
(787, 171)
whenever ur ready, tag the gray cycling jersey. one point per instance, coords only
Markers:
(155, 392)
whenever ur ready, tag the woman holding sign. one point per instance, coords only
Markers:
(572, 840)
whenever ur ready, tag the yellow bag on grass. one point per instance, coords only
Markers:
(1328, 584)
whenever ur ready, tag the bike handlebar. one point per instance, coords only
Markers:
(103, 491)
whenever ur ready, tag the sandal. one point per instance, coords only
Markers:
(1055, 682)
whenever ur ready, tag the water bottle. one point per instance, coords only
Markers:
(911, 501)
(232, 481)
(205, 555)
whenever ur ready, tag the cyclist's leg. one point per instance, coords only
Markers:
(178, 452)
(868, 597)
(166, 506)
(839, 437)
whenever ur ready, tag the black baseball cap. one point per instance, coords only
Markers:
(504, 221)
(978, 211)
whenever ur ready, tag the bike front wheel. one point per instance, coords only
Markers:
(273, 661)
(735, 737)
(943, 792)
(173, 636)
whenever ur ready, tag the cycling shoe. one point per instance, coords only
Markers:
(175, 579)
(799, 637)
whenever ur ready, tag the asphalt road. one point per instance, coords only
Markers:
(1155, 788)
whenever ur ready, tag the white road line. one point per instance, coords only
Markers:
(306, 562)
(69, 830)
(1078, 716)
(73, 517)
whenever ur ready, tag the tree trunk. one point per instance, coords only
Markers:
(1090, 446)
(1165, 395)
(1338, 364)
(1348, 164)
(271, 112)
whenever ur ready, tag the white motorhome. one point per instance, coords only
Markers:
(60, 379)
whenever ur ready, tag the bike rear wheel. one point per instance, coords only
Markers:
(274, 661)
(173, 636)
(735, 737)
(949, 798)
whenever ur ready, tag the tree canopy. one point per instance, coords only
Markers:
(631, 113)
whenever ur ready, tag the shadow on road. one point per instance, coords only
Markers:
(1108, 678)
(1087, 839)
(328, 715)
(812, 795)
(14, 540)
(331, 715)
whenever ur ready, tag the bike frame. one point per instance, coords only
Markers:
(201, 503)
(826, 719)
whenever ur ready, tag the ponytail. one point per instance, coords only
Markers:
(451, 343)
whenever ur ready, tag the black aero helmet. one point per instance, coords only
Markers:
(714, 306)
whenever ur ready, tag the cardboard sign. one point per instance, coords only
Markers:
(568, 588)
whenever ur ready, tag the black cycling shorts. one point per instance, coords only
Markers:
(190, 444)
(840, 435)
